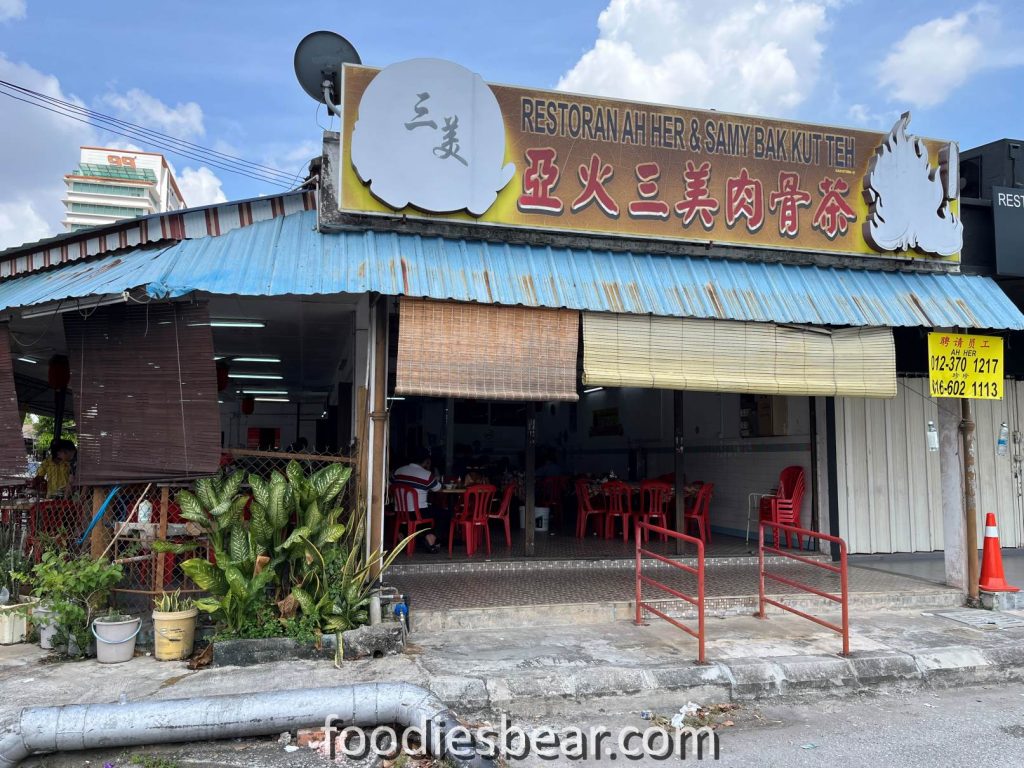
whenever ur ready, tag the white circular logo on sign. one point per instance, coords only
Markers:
(430, 134)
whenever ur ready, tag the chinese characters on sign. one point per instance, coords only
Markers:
(965, 365)
(603, 166)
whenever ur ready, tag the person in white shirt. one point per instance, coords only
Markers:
(419, 474)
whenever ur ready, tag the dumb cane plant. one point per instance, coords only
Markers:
(241, 571)
(294, 540)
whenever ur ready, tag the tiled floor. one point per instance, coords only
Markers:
(562, 547)
(932, 565)
(556, 586)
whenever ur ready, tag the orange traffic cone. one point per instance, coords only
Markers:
(992, 578)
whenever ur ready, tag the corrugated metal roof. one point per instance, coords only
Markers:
(287, 255)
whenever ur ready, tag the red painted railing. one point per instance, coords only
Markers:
(642, 578)
(780, 531)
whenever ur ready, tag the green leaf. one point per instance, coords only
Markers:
(172, 548)
(221, 508)
(276, 512)
(260, 489)
(240, 545)
(299, 535)
(207, 604)
(206, 575)
(305, 601)
(295, 474)
(206, 491)
(236, 582)
(192, 508)
(259, 526)
(312, 518)
(332, 534)
(231, 485)
(328, 482)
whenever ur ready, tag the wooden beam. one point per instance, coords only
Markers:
(161, 535)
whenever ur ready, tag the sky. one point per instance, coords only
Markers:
(220, 74)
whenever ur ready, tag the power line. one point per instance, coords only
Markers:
(190, 150)
(163, 137)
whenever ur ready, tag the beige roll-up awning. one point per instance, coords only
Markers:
(447, 349)
(730, 356)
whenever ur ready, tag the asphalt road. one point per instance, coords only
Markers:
(967, 727)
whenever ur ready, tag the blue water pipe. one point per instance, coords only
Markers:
(99, 514)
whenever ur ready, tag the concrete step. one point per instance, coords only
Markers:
(572, 614)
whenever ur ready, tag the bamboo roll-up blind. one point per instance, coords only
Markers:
(12, 446)
(145, 392)
(730, 356)
(448, 349)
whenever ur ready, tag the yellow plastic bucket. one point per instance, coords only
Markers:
(174, 634)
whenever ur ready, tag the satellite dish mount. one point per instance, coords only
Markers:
(319, 58)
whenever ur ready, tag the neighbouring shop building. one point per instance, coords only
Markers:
(605, 286)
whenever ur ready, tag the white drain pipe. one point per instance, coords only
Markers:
(99, 726)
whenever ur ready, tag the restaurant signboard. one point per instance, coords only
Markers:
(428, 138)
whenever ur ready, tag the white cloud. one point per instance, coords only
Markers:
(760, 56)
(12, 9)
(39, 147)
(200, 186)
(21, 223)
(182, 121)
(935, 58)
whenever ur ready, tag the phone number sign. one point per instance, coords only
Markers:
(965, 365)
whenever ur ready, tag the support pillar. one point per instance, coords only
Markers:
(378, 435)
(970, 453)
(951, 478)
(680, 481)
(531, 480)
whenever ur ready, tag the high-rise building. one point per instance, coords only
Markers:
(113, 184)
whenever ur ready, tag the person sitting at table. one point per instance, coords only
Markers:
(56, 470)
(419, 474)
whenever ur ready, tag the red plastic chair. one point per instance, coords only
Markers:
(407, 515)
(784, 507)
(585, 508)
(619, 498)
(700, 512)
(472, 520)
(550, 494)
(502, 513)
(655, 497)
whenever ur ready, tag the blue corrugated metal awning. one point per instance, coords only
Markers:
(288, 255)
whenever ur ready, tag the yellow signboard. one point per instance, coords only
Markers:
(412, 145)
(965, 365)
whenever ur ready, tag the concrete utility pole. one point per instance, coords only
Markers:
(970, 446)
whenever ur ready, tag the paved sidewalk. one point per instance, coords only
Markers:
(606, 668)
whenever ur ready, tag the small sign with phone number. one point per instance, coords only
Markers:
(965, 365)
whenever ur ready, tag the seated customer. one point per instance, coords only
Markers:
(419, 474)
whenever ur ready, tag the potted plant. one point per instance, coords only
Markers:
(72, 590)
(174, 626)
(115, 637)
(14, 607)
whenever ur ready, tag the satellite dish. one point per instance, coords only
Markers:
(318, 57)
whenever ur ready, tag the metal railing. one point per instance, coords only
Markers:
(843, 598)
(641, 578)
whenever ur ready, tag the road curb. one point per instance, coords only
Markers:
(611, 690)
